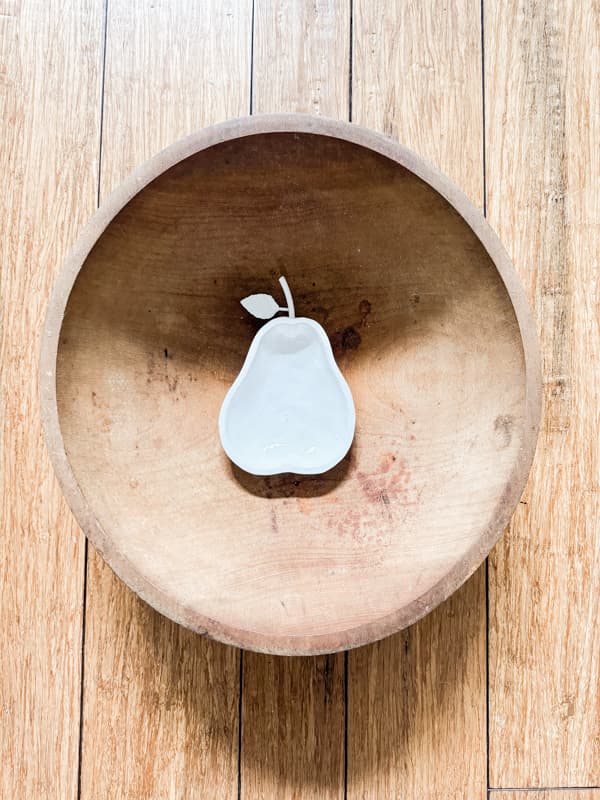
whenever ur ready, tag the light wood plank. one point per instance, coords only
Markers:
(548, 794)
(301, 57)
(416, 701)
(161, 704)
(416, 76)
(543, 169)
(171, 68)
(416, 706)
(50, 113)
(293, 727)
(293, 709)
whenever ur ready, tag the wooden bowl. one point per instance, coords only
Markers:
(429, 324)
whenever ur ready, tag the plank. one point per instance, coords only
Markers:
(416, 76)
(548, 794)
(293, 709)
(171, 68)
(543, 169)
(49, 107)
(416, 701)
(301, 57)
(416, 706)
(161, 703)
(293, 727)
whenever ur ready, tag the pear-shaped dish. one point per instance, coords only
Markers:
(428, 323)
(289, 409)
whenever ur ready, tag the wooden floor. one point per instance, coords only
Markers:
(498, 691)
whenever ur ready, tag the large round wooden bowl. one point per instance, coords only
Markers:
(428, 322)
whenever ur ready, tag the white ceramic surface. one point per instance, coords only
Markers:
(290, 408)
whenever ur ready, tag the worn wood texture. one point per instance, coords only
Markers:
(293, 727)
(171, 68)
(293, 709)
(543, 173)
(416, 706)
(416, 76)
(416, 701)
(252, 560)
(49, 109)
(301, 57)
(547, 794)
(160, 703)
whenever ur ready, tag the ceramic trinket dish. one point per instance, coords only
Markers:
(289, 409)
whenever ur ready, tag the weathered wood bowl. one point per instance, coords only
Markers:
(429, 324)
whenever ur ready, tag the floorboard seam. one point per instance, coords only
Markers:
(86, 546)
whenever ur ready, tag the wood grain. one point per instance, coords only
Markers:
(293, 709)
(543, 169)
(416, 701)
(416, 76)
(50, 105)
(416, 706)
(295, 565)
(160, 703)
(293, 727)
(171, 68)
(301, 57)
(547, 794)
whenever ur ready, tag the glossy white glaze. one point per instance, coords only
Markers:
(290, 408)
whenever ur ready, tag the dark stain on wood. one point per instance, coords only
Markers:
(503, 427)
(328, 676)
(347, 339)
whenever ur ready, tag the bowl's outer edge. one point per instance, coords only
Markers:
(155, 595)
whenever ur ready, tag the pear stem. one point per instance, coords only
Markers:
(288, 297)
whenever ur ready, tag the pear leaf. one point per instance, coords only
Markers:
(262, 306)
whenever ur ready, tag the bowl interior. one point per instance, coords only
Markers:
(423, 330)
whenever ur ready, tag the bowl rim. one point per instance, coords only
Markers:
(158, 596)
